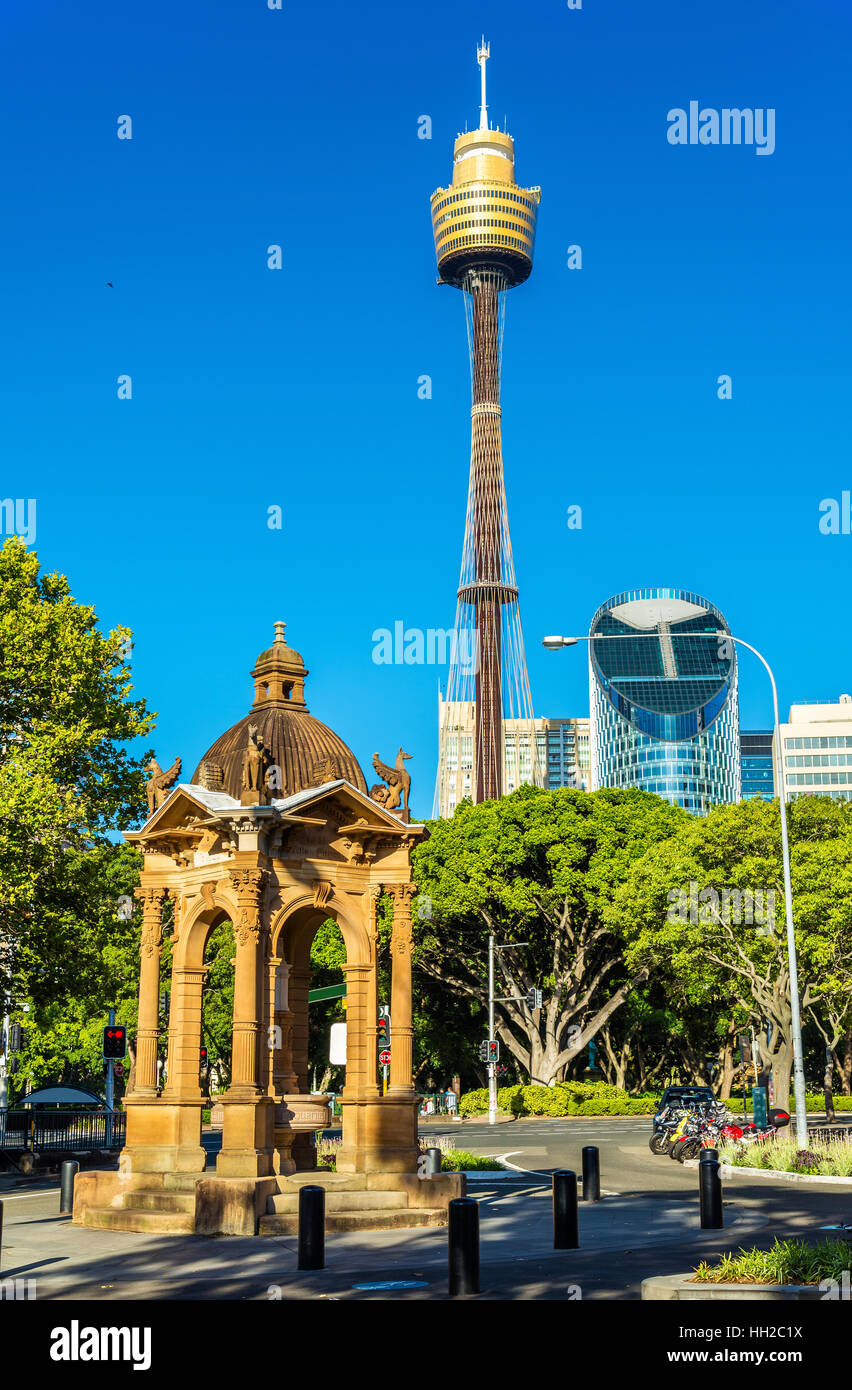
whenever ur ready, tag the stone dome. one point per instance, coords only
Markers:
(306, 752)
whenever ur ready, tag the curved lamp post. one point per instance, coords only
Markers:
(554, 644)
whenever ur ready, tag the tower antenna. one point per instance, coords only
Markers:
(483, 53)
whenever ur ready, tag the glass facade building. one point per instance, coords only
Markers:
(663, 698)
(756, 761)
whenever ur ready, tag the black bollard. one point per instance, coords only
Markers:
(463, 1243)
(566, 1234)
(68, 1173)
(591, 1174)
(434, 1159)
(311, 1227)
(710, 1191)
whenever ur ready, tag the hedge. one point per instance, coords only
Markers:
(566, 1098)
(592, 1098)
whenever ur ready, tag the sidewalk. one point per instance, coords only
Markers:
(69, 1262)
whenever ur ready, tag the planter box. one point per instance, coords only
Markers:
(680, 1288)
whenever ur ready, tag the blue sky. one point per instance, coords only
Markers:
(254, 388)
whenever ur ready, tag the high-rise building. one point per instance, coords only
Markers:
(542, 752)
(663, 698)
(816, 746)
(756, 761)
(484, 231)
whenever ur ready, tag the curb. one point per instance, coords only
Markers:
(682, 1289)
(732, 1170)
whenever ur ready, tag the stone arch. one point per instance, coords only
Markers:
(297, 922)
(197, 923)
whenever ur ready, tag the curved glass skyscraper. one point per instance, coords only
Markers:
(663, 698)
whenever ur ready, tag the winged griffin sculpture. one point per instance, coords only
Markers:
(398, 782)
(159, 783)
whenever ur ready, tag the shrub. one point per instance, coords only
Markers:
(824, 1158)
(511, 1099)
(545, 1100)
(458, 1160)
(473, 1102)
(788, 1262)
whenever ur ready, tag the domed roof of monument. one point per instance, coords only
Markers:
(306, 752)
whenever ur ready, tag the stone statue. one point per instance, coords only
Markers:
(398, 782)
(253, 781)
(159, 783)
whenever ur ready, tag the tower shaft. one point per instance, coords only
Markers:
(487, 490)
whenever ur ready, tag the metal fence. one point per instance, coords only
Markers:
(840, 1133)
(44, 1130)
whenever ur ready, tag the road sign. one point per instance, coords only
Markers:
(384, 1057)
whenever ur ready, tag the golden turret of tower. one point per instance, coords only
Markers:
(484, 217)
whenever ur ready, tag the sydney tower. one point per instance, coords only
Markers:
(484, 229)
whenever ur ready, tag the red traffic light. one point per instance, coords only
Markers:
(204, 1056)
(115, 1042)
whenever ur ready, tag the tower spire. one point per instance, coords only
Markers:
(483, 53)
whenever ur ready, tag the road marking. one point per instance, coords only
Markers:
(504, 1158)
(29, 1196)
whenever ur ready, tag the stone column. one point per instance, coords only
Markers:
(401, 1025)
(371, 1011)
(248, 1005)
(284, 1079)
(183, 1079)
(148, 1030)
(357, 1060)
(299, 984)
(247, 1134)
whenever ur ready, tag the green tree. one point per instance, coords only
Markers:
(705, 912)
(539, 867)
(67, 779)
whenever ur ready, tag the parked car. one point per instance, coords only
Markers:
(691, 1097)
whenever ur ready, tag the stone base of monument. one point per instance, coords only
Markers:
(198, 1204)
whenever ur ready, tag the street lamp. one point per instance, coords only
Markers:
(554, 643)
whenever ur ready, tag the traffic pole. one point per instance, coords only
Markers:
(492, 1066)
(110, 1089)
(566, 1235)
(463, 1246)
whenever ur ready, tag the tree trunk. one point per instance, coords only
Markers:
(728, 1070)
(782, 1067)
(846, 1067)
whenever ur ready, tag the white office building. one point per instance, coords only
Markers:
(544, 752)
(816, 748)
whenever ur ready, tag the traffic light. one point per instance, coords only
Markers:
(115, 1042)
(17, 1038)
(489, 1051)
(533, 999)
(203, 1058)
(383, 1035)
